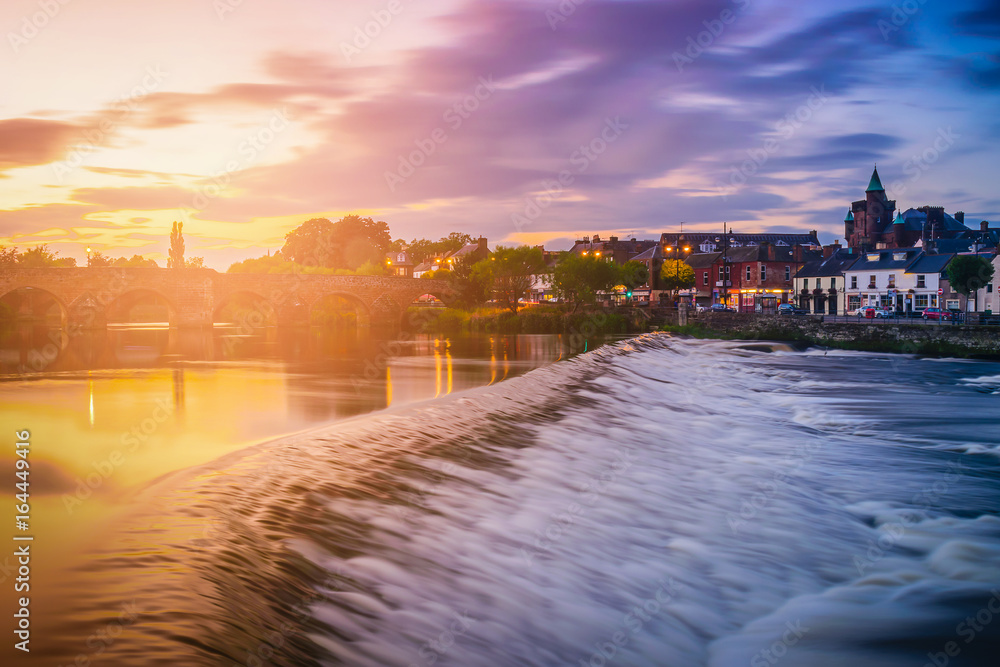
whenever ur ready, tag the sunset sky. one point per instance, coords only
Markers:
(244, 118)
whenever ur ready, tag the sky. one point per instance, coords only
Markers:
(525, 122)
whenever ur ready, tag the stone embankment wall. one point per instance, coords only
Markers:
(884, 336)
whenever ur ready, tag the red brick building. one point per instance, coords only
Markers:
(755, 278)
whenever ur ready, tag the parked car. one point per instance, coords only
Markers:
(721, 308)
(867, 312)
(885, 313)
(791, 309)
(935, 314)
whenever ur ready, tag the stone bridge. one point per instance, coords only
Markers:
(195, 297)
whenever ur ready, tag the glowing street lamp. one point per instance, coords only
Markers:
(88, 255)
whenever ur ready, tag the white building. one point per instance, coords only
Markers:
(901, 279)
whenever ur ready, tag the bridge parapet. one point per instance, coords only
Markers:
(194, 296)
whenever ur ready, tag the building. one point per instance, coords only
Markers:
(873, 224)
(756, 278)
(899, 279)
(984, 298)
(541, 285)
(705, 286)
(652, 291)
(476, 251)
(819, 284)
(612, 248)
(400, 263)
(707, 242)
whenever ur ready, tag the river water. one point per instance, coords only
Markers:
(656, 501)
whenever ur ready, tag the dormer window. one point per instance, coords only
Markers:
(872, 257)
(899, 256)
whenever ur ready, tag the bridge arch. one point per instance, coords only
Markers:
(329, 309)
(154, 302)
(28, 303)
(244, 308)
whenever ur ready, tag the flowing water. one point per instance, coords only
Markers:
(657, 501)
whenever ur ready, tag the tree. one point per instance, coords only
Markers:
(512, 271)
(577, 279)
(632, 274)
(968, 273)
(176, 256)
(135, 262)
(345, 244)
(8, 256)
(373, 269)
(39, 257)
(472, 286)
(193, 263)
(98, 259)
(421, 249)
(676, 275)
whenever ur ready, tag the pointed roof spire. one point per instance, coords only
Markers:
(850, 216)
(899, 220)
(875, 185)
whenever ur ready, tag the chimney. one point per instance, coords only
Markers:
(960, 216)
(586, 239)
(597, 239)
(482, 244)
(815, 235)
(798, 254)
(613, 239)
(984, 226)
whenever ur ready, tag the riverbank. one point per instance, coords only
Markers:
(528, 320)
(950, 341)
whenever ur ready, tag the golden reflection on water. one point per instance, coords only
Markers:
(118, 412)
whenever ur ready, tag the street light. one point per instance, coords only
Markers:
(88, 255)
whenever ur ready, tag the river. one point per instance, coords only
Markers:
(656, 501)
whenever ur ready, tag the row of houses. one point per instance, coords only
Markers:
(402, 263)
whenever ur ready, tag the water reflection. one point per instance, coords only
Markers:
(224, 388)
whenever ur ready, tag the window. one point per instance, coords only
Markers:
(728, 271)
(763, 272)
(704, 278)
(921, 281)
(871, 281)
(934, 301)
(720, 273)
(920, 302)
(805, 283)
(854, 282)
(748, 273)
(853, 301)
(892, 280)
(952, 304)
(989, 288)
(788, 273)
